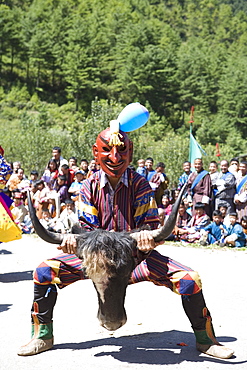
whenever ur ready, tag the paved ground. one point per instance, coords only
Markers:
(156, 321)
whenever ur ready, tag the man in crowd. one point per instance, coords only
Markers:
(117, 198)
(56, 154)
(240, 198)
(199, 186)
(226, 187)
(185, 175)
(149, 167)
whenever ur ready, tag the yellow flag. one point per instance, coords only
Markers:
(8, 229)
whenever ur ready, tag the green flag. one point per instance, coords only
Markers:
(195, 151)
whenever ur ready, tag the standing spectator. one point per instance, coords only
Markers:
(214, 175)
(16, 166)
(92, 168)
(159, 182)
(73, 164)
(33, 176)
(84, 167)
(185, 175)
(141, 169)
(226, 187)
(213, 172)
(234, 167)
(51, 173)
(56, 154)
(199, 187)
(240, 198)
(149, 167)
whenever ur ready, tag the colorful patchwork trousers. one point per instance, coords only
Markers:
(156, 268)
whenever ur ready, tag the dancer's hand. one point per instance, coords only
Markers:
(69, 244)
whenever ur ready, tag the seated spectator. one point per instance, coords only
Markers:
(183, 217)
(68, 217)
(76, 185)
(223, 210)
(166, 205)
(243, 223)
(191, 233)
(47, 221)
(20, 213)
(61, 193)
(50, 174)
(18, 181)
(42, 197)
(141, 168)
(161, 213)
(214, 232)
(68, 173)
(235, 236)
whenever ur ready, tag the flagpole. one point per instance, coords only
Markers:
(190, 122)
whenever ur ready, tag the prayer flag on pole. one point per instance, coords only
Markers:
(196, 150)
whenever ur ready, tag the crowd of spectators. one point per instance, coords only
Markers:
(213, 209)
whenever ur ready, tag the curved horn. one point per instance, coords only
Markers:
(44, 234)
(163, 232)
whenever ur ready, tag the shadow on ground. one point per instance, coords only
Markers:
(13, 277)
(157, 348)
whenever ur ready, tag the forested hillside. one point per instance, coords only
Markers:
(68, 66)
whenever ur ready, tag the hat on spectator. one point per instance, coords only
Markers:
(79, 171)
(17, 195)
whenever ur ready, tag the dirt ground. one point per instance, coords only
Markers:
(156, 325)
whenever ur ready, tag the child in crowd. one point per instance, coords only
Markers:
(141, 169)
(47, 221)
(76, 185)
(243, 223)
(161, 213)
(191, 233)
(235, 235)
(20, 213)
(68, 217)
(223, 209)
(183, 217)
(166, 205)
(215, 231)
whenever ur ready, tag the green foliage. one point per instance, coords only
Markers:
(69, 66)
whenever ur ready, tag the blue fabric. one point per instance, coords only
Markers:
(215, 232)
(237, 229)
(198, 178)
